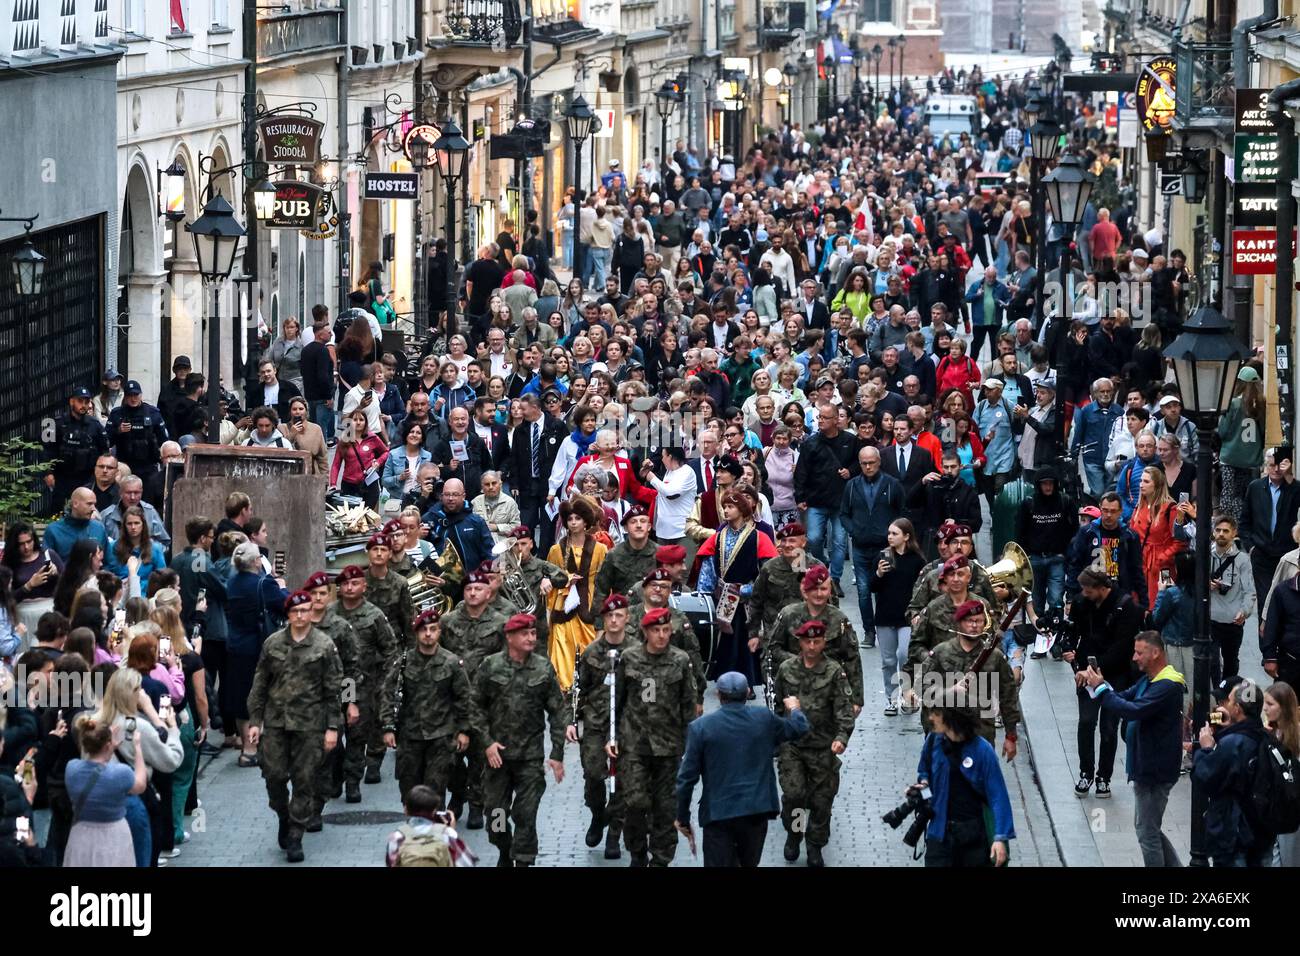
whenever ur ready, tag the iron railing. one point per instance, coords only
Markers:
(495, 23)
(1204, 86)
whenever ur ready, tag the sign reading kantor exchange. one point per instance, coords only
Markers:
(290, 139)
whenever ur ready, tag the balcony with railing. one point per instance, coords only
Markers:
(496, 24)
(1203, 88)
(302, 28)
(781, 21)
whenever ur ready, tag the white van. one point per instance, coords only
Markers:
(954, 115)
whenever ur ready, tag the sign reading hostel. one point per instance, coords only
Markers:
(290, 140)
(1257, 158)
(392, 185)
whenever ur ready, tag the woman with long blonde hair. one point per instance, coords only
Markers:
(192, 708)
(1161, 526)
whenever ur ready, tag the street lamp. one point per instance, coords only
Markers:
(1206, 358)
(666, 100)
(171, 192)
(1034, 106)
(1195, 177)
(1067, 188)
(893, 45)
(29, 269)
(578, 119)
(790, 73)
(877, 51)
(216, 236)
(902, 44)
(451, 150)
(828, 69)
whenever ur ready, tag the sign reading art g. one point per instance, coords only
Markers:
(290, 140)
(1155, 94)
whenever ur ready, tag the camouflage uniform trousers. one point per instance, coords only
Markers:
(467, 772)
(513, 792)
(595, 771)
(329, 778)
(427, 762)
(292, 756)
(365, 739)
(809, 781)
(649, 786)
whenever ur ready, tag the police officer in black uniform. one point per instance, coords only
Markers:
(72, 443)
(137, 432)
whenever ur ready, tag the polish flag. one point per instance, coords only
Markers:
(178, 16)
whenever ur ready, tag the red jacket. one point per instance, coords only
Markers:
(629, 486)
(952, 374)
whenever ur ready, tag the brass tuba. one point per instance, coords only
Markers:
(1012, 571)
(447, 566)
(513, 583)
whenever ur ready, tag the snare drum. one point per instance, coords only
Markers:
(699, 608)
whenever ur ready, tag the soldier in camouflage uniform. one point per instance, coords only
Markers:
(998, 692)
(398, 559)
(954, 540)
(938, 623)
(515, 691)
(777, 585)
(293, 711)
(472, 631)
(388, 590)
(655, 697)
(591, 703)
(629, 561)
(841, 643)
(809, 768)
(540, 577)
(329, 782)
(498, 602)
(424, 709)
(655, 592)
(377, 645)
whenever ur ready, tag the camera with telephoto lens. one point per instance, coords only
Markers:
(918, 802)
(1060, 630)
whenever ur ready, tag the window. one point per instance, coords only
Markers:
(221, 14)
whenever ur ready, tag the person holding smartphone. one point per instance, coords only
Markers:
(305, 435)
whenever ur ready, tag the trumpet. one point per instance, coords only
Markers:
(513, 582)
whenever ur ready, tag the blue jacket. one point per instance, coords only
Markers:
(1227, 773)
(1001, 299)
(1175, 616)
(254, 608)
(982, 773)
(61, 535)
(1092, 425)
(1128, 483)
(733, 749)
(1127, 568)
(470, 533)
(1154, 736)
(869, 527)
(149, 563)
(395, 464)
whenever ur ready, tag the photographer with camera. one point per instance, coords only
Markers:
(1225, 763)
(959, 783)
(1101, 627)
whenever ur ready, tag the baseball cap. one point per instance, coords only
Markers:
(181, 361)
(1248, 374)
(733, 684)
(112, 375)
(81, 392)
(132, 387)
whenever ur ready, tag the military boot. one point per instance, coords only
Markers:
(475, 821)
(314, 824)
(282, 837)
(792, 841)
(640, 858)
(293, 850)
(597, 828)
(372, 773)
(353, 790)
(612, 851)
(815, 856)
(523, 864)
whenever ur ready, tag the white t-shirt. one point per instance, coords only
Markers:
(675, 503)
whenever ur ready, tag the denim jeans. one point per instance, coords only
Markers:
(600, 265)
(1148, 815)
(823, 523)
(1094, 478)
(892, 642)
(1049, 581)
(864, 567)
(585, 250)
(137, 819)
(323, 416)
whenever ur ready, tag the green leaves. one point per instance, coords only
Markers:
(20, 473)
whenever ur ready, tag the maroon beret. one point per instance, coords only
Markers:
(320, 579)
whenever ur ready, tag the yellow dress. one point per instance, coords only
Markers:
(570, 634)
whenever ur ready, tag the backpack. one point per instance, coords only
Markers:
(1276, 791)
(426, 846)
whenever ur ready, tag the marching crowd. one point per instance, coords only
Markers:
(603, 495)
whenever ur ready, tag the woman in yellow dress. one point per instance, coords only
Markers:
(579, 553)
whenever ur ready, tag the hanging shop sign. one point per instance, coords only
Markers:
(298, 205)
(290, 140)
(392, 185)
(1254, 204)
(1251, 112)
(1155, 94)
(425, 131)
(328, 222)
(1257, 158)
(1254, 252)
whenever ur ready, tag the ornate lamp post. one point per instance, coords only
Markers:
(451, 150)
(578, 120)
(216, 240)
